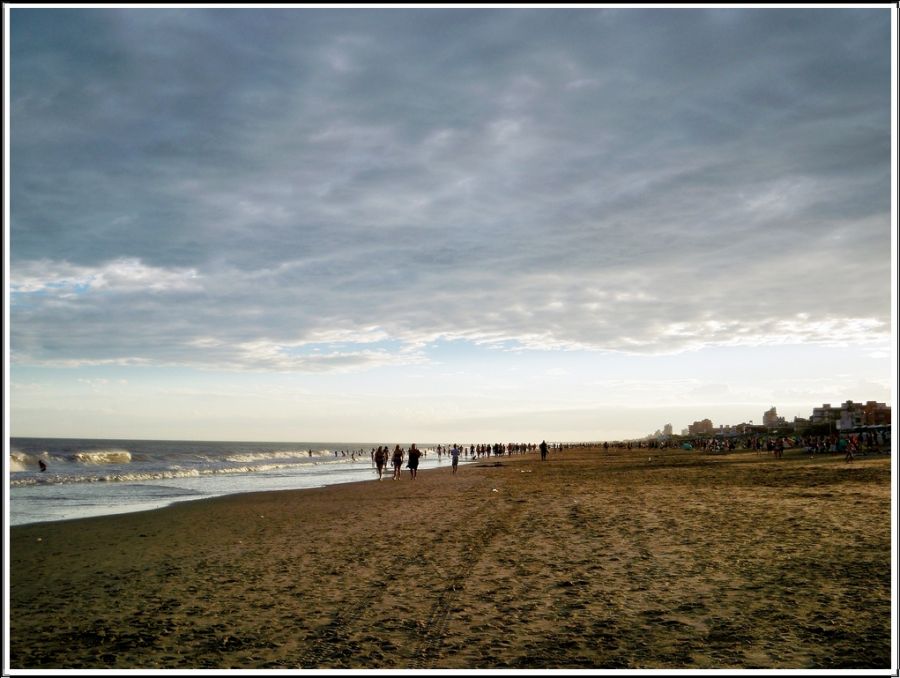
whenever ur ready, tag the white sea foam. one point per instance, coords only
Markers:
(18, 461)
(263, 456)
(133, 477)
(22, 461)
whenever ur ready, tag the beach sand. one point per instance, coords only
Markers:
(660, 559)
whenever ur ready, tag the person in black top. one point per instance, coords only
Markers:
(380, 455)
(397, 461)
(413, 463)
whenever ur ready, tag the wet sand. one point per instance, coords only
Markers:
(589, 560)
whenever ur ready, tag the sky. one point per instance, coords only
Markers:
(445, 224)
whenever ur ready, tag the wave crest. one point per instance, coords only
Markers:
(22, 461)
(248, 457)
(102, 457)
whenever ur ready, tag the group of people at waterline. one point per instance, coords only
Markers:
(383, 454)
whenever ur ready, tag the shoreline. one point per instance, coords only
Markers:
(238, 495)
(588, 560)
(304, 477)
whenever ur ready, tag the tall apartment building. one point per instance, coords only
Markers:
(771, 418)
(700, 427)
(876, 414)
(852, 415)
(824, 414)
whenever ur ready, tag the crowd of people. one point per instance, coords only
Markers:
(382, 456)
(848, 443)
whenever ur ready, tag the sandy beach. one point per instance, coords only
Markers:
(660, 559)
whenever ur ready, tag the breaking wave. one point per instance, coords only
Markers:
(28, 461)
(131, 477)
(102, 457)
(22, 461)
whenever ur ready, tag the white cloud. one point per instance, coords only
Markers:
(119, 275)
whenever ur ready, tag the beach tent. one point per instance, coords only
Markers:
(687, 446)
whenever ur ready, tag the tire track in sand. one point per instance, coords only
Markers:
(330, 645)
(430, 637)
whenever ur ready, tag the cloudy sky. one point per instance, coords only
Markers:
(436, 224)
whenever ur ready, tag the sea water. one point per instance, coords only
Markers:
(102, 477)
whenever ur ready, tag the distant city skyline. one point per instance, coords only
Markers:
(428, 224)
(878, 413)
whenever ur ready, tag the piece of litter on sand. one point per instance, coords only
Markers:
(495, 490)
(524, 471)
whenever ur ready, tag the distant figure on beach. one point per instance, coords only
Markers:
(42, 464)
(543, 450)
(454, 457)
(380, 455)
(397, 461)
(413, 463)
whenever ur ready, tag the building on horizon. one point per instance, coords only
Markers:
(772, 420)
(665, 434)
(876, 414)
(700, 427)
(749, 428)
(852, 415)
(825, 414)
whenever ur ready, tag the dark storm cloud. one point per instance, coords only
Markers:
(611, 179)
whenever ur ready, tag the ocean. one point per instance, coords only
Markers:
(101, 477)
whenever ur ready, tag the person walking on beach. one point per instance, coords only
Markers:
(379, 456)
(543, 450)
(397, 460)
(454, 457)
(413, 463)
(849, 456)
